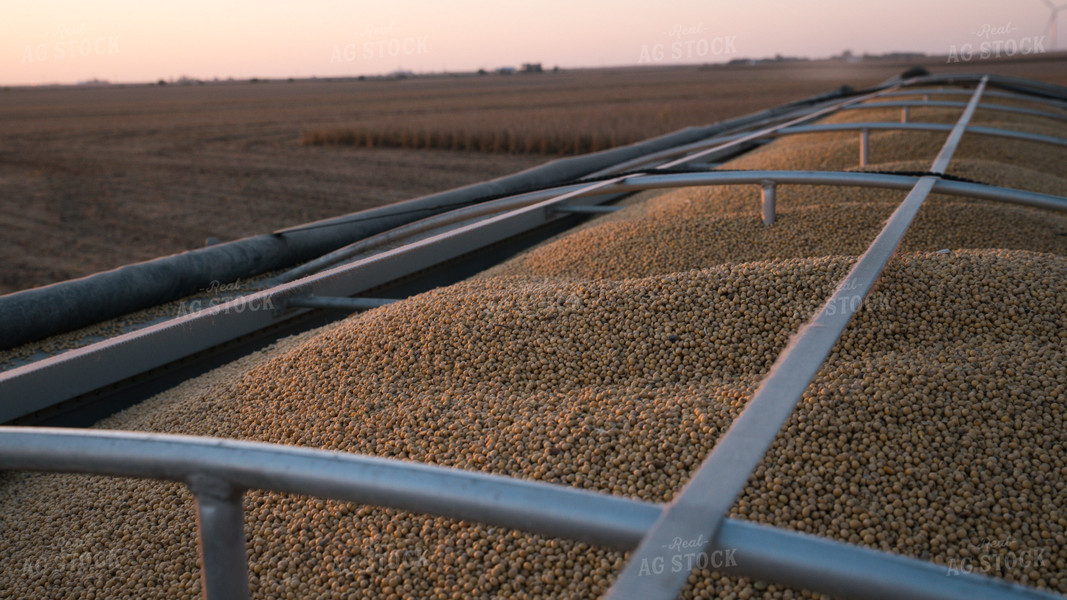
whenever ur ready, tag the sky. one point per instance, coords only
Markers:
(68, 41)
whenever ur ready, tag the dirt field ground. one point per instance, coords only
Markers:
(94, 178)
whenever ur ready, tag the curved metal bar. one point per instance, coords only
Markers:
(543, 508)
(843, 570)
(939, 127)
(1004, 82)
(843, 178)
(1000, 194)
(992, 94)
(218, 467)
(950, 104)
(718, 143)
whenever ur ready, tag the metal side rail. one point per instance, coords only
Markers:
(30, 388)
(343, 303)
(220, 471)
(452, 218)
(842, 178)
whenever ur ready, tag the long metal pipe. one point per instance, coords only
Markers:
(722, 143)
(1033, 89)
(989, 94)
(952, 104)
(218, 469)
(842, 178)
(843, 570)
(547, 509)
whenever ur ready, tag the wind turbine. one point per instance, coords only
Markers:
(1052, 24)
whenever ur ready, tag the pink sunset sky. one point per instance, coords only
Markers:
(66, 41)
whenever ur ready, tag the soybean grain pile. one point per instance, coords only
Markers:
(611, 359)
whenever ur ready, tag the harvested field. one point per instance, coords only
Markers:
(132, 173)
(612, 359)
(95, 178)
